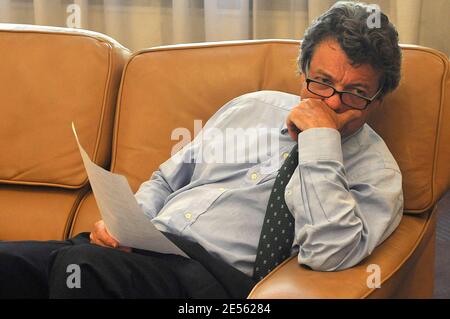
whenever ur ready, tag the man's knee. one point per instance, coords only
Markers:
(70, 260)
(12, 283)
(77, 254)
(78, 271)
(22, 272)
(90, 271)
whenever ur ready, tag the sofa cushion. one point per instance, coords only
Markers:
(30, 213)
(50, 77)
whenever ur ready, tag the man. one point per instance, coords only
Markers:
(330, 192)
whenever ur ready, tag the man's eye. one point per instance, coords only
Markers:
(323, 80)
(359, 92)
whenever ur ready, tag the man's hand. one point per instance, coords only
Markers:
(101, 237)
(312, 113)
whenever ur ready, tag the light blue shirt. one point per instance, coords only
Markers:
(345, 195)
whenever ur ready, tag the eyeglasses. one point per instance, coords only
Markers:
(352, 100)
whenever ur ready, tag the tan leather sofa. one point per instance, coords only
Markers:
(55, 76)
(50, 77)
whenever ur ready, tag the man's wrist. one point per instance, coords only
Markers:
(320, 143)
(332, 126)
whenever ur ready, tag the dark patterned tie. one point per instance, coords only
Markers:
(277, 233)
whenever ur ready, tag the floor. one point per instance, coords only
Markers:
(442, 270)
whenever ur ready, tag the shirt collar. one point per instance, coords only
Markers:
(353, 134)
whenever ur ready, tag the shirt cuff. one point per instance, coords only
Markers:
(318, 144)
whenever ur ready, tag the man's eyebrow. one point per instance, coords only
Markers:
(361, 85)
(325, 73)
(353, 85)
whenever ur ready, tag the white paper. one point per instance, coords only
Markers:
(120, 211)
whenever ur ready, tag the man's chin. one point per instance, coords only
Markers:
(348, 131)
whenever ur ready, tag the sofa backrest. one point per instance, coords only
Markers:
(50, 77)
(415, 124)
(169, 87)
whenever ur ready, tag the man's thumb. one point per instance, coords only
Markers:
(347, 116)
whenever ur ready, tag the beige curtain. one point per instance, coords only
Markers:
(144, 23)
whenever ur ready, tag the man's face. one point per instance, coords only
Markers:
(329, 64)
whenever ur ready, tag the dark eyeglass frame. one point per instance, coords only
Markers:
(368, 100)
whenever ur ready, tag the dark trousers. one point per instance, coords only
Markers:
(42, 269)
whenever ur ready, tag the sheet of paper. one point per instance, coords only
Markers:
(120, 211)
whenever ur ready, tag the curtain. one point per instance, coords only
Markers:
(139, 24)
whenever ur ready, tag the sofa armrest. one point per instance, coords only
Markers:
(291, 280)
(408, 252)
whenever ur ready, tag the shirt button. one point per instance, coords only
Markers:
(285, 155)
(188, 216)
(288, 193)
(254, 176)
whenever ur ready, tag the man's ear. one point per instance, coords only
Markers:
(302, 77)
(303, 90)
(380, 101)
(375, 106)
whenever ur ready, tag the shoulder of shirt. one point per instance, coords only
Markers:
(278, 99)
(281, 101)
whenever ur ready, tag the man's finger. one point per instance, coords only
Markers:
(108, 240)
(293, 132)
(95, 240)
(103, 236)
(125, 249)
(347, 116)
(104, 243)
(114, 242)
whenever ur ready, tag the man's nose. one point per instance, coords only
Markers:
(334, 102)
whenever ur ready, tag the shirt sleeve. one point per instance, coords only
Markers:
(178, 170)
(172, 175)
(338, 221)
